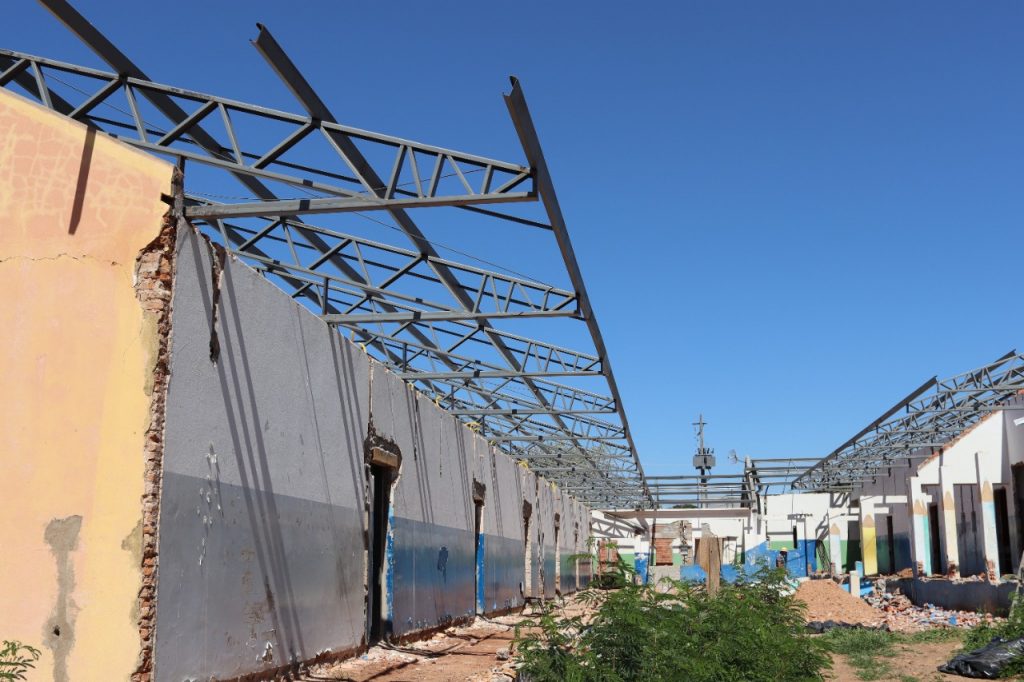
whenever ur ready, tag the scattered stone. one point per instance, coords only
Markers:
(901, 615)
(502, 654)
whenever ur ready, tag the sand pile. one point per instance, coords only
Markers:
(828, 601)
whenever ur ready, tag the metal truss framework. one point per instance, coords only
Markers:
(744, 489)
(521, 393)
(934, 414)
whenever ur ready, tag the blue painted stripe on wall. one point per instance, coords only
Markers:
(549, 571)
(481, 572)
(504, 562)
(389, 569)
(434, 575)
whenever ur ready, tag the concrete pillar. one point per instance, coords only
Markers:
(949, 522)
(868, 538)
(835, 546)
(988, 516)
(855, 583)
(922, 558)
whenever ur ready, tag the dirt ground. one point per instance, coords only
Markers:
(477, 652)
(463, 653)
(917, 663)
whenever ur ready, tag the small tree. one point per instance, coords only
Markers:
(753, 631)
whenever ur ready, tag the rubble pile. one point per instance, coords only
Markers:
(901, 615)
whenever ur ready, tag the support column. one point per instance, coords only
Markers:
(949, 522)
(835, 546)
(868, 537)
(988, 516)
(919, 527)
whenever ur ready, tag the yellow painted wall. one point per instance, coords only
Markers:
(76, 353)
(868, 543)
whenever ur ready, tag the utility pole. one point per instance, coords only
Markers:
(703, 460)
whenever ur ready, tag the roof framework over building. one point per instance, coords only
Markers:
(934, 414)
(443, 325)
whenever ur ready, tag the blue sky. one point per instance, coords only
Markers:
(788, 214)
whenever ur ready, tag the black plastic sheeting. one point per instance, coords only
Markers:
(986, 663)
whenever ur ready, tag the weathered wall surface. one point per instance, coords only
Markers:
(264, 512)
(262, 520)
(433, 558)
(503, 537)
(77, 357)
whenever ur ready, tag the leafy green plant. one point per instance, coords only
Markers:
(750, 631)
(16, 659)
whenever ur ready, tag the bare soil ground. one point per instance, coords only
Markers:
(916, 663)
(477, 652)
(463, 653)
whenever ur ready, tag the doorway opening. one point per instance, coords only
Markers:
(382, 467)
(478, 521)
(380, 487)
(558, 558)
(527, 551)
(1018, 503)
(972, 561)
(1003, 530)
(933, 539)
(890, 544)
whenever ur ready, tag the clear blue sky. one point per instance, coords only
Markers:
(788, 214)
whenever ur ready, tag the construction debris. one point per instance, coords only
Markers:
(901, 615)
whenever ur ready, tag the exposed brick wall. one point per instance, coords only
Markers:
(154, 277)
(663, 551)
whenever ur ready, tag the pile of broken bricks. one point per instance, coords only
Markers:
(901, 615)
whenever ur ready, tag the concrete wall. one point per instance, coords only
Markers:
(433, 552)
(264, 520)
(504, 549)
(974, 596)
(77, 356)
(261, 540)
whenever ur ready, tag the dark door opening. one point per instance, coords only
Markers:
(479, 554)
(380, 489)
(933, 539)
(890, 544)
(1018, 501)
(558, 561)
(1003, 530)
(972, 560)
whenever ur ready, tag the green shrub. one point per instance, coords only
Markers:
(749, 631)
(16, 659)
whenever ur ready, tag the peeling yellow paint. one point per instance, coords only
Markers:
(75, 361)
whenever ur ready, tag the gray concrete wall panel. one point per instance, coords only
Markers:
(504, 546)
(261, 527)
(433, 552)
